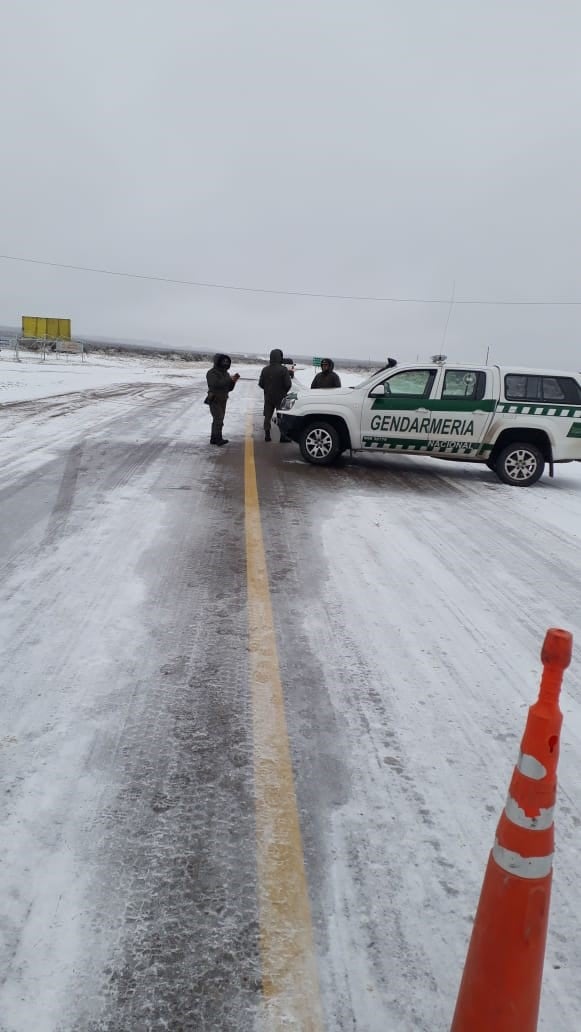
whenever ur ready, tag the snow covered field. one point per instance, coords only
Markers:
(411, 598)
(34, 377)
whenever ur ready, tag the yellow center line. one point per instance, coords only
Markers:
(289, 972)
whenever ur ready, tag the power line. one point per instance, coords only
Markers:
(286, 293)
(452, 299)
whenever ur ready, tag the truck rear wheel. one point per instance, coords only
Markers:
(320, 444)
(520, 464)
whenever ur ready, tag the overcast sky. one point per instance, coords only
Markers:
(396, 149)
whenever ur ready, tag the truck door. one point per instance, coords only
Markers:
(462, 409)
(395, 414)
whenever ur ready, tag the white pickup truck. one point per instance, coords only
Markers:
(514, 420)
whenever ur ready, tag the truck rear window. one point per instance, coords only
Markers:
(561, 390)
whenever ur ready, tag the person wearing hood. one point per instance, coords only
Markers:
(275, 381)
(326, 379)
(220, 383)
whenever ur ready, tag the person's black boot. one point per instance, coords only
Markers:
(267, 436)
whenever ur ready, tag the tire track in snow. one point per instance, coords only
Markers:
(179, 829)
(65, 498)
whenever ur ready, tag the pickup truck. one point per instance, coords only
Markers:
(516, 421)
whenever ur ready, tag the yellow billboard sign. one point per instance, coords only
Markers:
(43, 328)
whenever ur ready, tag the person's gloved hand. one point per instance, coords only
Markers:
(236, 377)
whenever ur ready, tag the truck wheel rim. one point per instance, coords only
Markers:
(521, 464)
(319, 443)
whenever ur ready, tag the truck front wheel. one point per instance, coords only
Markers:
(520, 464)
(320, 444)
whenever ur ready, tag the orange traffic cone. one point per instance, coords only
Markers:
(501, 985)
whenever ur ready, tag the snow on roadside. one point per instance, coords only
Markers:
(34, 378)
(437, 612)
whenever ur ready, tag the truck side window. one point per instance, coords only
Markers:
(464, 384)
(410, 383)
(561, 389)
(520, 387)
(552, 390)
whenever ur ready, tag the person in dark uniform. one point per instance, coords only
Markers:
(326, 379)
(275, 381)
(220, 383)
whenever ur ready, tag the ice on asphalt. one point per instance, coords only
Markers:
(436, 603)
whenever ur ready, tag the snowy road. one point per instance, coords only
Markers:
(410, 599)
